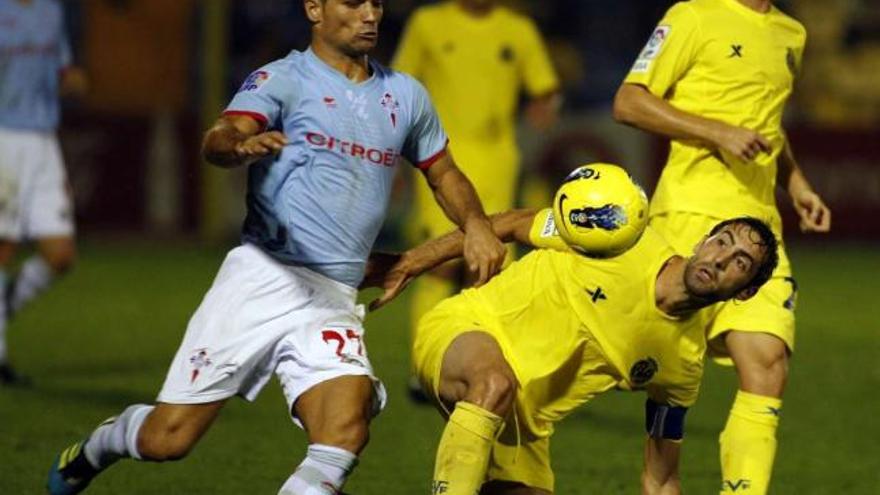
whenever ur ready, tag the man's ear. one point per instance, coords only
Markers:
(746, 293)
(314, 10)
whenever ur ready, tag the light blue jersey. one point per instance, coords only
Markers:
(321, 202)
(33, 51)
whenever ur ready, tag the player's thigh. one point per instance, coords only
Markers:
(337, 411)
(770, 312)
(442, 360)
(46, 203)
(761, 361)
(474, 368)
(520, 464)
(16, 169)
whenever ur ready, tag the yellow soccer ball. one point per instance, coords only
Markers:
(600, 211)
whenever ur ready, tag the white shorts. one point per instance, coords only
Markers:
(34, 194)
(260, 317)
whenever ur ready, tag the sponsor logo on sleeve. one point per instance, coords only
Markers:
(652, 48)
(549, 229)
(255, 81)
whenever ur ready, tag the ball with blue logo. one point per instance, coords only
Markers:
(600, 210)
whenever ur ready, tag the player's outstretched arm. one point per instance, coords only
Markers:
(814, 215)
(393, 272)
(483, 252)
(237, 140)
(660, 474)
(636, 106)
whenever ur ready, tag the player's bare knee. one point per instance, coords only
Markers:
(493, 389)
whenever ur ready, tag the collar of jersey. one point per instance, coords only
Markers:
(327, 69)
(751, 13)
(473, 21)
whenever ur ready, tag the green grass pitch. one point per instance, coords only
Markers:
(104, 336)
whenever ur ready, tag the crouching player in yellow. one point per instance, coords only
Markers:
(507, 360)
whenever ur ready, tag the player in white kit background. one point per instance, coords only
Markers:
(35, 203)
(322, 132)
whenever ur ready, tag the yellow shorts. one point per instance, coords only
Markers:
(517, 455)
(770, 311)
(492, 169)
(522, 451)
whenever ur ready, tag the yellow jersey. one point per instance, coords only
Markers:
(573, 327)
(474, 67)
(722, 60)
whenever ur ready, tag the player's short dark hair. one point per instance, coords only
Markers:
(767, 239)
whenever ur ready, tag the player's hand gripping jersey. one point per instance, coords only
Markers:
(321, 201)
(723, 61)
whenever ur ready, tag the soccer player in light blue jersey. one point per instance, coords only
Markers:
(35, 67)
(322, 132)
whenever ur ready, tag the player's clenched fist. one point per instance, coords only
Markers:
(483, 252)
(261, 145)
(745, 144)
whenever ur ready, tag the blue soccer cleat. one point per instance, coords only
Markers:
(71, 472)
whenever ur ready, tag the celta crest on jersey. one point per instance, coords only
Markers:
(390, 105)
(199, 360)
(254, 81)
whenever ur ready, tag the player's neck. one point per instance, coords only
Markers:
(355, 69)
(670, 294)
(762, 6)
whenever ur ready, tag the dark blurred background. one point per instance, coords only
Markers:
(162, 70)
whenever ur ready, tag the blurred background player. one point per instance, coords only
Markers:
(474, 57)
(321, 131)
(35, 203)
(714, 78)
(503, 383)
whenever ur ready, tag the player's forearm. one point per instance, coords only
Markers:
(635, 106)
(789, 175)
(220, 146)
(457, 197)
(509, 226)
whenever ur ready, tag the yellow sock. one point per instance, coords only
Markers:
(748, 444)
(464, 450)
(428, 290)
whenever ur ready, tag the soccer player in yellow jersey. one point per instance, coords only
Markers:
(714, 78)
(474, 57)
(505, 361)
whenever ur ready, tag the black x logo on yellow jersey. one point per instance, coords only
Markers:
(597, 294)
(737, 51)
